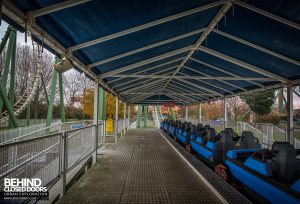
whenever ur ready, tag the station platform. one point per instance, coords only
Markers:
(146, 166)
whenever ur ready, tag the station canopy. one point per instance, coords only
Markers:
(187, 51)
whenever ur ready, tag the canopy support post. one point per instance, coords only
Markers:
(12, 76)
(139, 116)
(225, 113)
(290, 114)
(52, 95)
(186, 113)
(145, 116)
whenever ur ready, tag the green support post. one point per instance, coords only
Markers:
(12, 77)
(45, 89)
(9, 107)
(36, 104)
(101, 104)
(61, 94)
(171, 112)
(145, 116)
(7, 61)
(280, 101)
(52, 95)
(5, 38)
(139, 116)
(28, 115)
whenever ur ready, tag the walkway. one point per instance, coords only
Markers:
(141, 168)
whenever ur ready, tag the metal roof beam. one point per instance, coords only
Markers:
(243, 64)
(270, 52)
(128, 82)
(174, 91)
(145, 85)
(145, 26)
(188, 87)
(200, 87)
(162, 93)
(146, 48)
(222, 70)
(204, 35)
(268, 14)
(225, 82)
(153, 76)
(151, 68)
(57, 7)
(210, 84)
(147, 61)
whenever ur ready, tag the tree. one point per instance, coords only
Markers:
(237, 109)
(260, 102)
(213, 110)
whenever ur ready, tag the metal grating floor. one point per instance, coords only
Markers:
(142, 168)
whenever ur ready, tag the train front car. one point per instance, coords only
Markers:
(267, 175)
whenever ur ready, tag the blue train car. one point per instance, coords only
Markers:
(269, 175)
(212, 148)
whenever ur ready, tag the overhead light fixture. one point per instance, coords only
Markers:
(64, 65)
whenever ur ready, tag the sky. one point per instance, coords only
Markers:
(21, 40)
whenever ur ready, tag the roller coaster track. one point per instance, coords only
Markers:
(29, 93)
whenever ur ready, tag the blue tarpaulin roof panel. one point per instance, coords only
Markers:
(237, 41)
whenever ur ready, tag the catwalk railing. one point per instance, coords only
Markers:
(49, 157)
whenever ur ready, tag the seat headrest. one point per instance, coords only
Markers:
(247, 136)
(230, 130)
(199, 126)
(226, 136)
(211, 133)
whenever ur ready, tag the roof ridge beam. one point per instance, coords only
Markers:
(270, 52)
(147, 25)
(268, 14)
(147, 61)
(204, 35)
(222, 70)
(146, 47)
(243, 64)
(56, 7)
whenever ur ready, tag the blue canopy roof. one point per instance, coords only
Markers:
(149, 52)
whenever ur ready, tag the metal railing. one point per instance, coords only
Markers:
(263, 139)
(49, 157)
(32, 133)
(32, 158)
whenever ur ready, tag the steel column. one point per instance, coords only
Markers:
(200, 113)
(7, 62)
(28, 115)
(12, 76)
(52, 95)
(101, 104)
(139, 116)
(117, 117)
(290, 114)
(8, 106)
(225, 113)
(128, 116)
(36, 104)
(186, 113)
(61, 96)
(124, 118)
(145, 116)
(95, 121)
